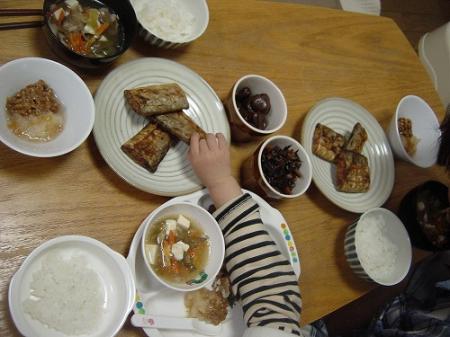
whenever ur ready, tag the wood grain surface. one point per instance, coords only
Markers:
(310, 52)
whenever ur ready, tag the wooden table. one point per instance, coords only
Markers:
(310, 52)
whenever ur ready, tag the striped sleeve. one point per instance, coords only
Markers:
(261, 277)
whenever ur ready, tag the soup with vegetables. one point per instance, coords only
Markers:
(87, 27)
(177, 249)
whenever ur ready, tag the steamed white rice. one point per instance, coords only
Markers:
(65, 295)
(376, 252)
(169, 20)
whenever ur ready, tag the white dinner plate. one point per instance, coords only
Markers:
(115, 123)
(116, 283)
(341, 115)
(154, 299)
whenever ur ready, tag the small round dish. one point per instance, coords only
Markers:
(378, 248)
(207, 224)
(158, 18)
(253, 176)
(71, 91)
(127, 19)
(425, 127)
(243, 131)
(116, 279)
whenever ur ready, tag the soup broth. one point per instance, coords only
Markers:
(87, 27)
(178, 253)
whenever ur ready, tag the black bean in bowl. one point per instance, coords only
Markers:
(281, 167)
(253, 107)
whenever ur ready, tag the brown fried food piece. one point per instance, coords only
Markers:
(156, 99)
(327, 143)
(352, 172)
(357, 139)
(206, 305)
(409, 141)
(179, 125)
(148, 147)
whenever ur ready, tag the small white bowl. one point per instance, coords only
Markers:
(72, 92)
(198, 9)
(207, 224)
(425, 127)
(116, 279)
(241, 130)
(253, 176)
(390, 237)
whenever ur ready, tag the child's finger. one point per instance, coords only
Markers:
(203, 146)
(221, 141)
(211, 140)
(194, 144)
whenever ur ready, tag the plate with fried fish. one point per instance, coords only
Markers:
(146, 111)
(352, 161)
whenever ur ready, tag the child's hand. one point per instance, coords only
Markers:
(210, 159)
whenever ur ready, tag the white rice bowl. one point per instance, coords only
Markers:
(382, 246)
(71, 286)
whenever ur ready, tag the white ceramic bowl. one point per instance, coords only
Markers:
(367, 252)
(241, 130)
(207, 224)
(116, 280)
(425, 127)
(253, 176)
(198, 9)
(79, 109)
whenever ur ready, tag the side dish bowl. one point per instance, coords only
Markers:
(127, 20)
(253, 177)
(76, 100)
(425, 127)
(242, 130)
(203, 221)
(378, 248)
(169, 23)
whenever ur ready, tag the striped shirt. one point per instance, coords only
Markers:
(261, 277)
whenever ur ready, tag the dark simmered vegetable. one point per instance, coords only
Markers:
(253, 108)
(281, 167)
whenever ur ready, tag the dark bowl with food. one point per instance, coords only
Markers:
(425, 212)
(89, 33)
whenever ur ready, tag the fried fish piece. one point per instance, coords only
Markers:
(156, 99)
(327, 143)
(352, 172)
(357, 139)
(148, 147)
(179, 125)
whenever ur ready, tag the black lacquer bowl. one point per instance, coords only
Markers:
(128, 20)
(408, 212)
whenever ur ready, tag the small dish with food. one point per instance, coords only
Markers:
(414, 132)
(47, 109)
(279, 168)
(89, 33)
(171, 23)
(378, 248)
(182, 246)
(255, 107)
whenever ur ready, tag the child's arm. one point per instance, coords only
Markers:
(261, 277)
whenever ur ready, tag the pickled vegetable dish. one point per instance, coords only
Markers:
(88, 28)
(177, 249)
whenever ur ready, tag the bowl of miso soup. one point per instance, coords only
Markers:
(183, 246)
(89, 33)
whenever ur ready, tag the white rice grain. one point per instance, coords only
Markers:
(376, 252)
(66, 295)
